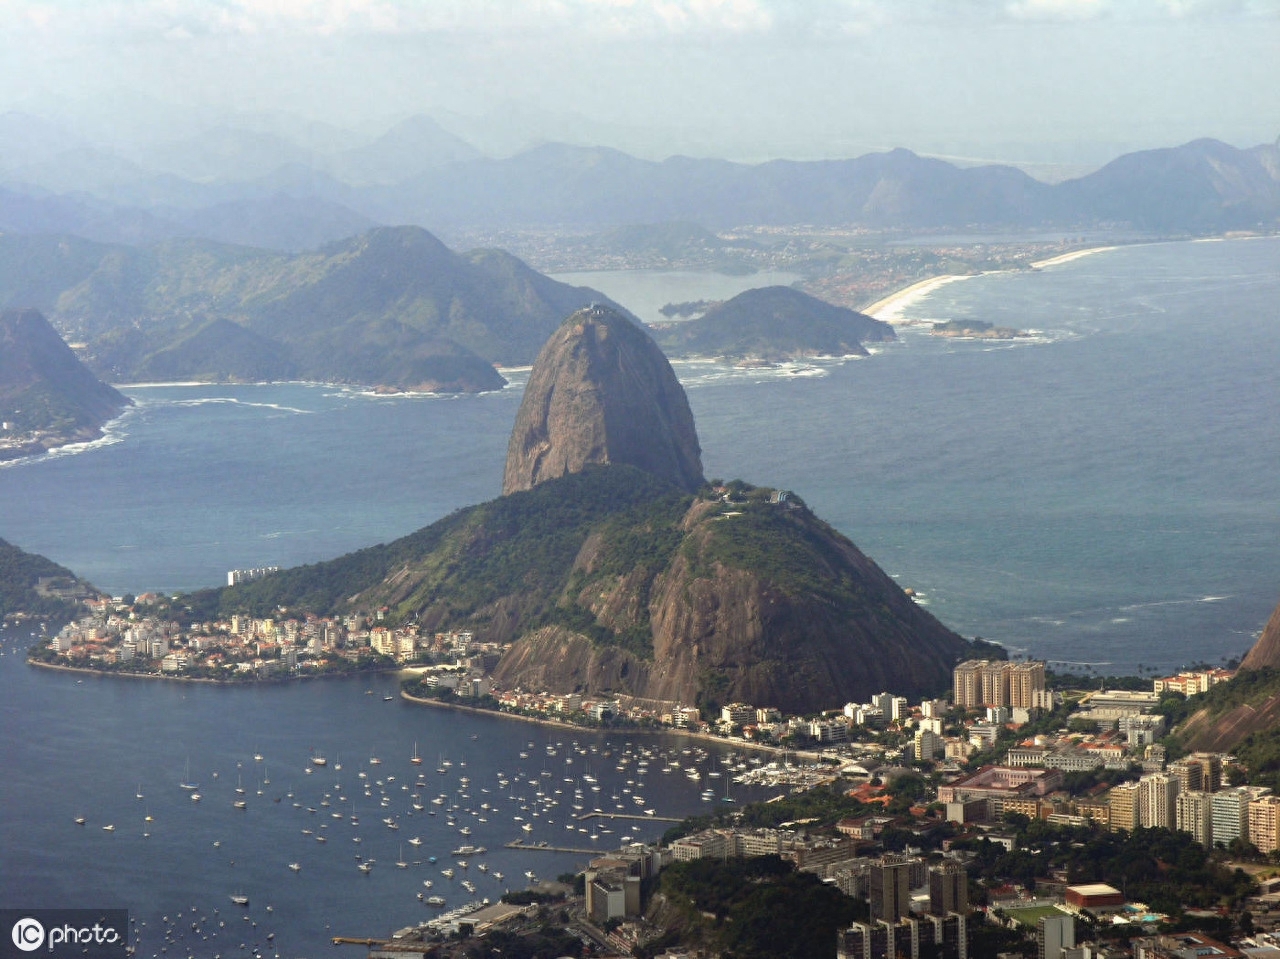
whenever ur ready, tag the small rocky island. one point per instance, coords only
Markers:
(975, 330)
(772, 324)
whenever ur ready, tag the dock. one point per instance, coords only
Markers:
(531, 847)
(583, 817)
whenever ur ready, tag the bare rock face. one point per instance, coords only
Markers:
(1266, 651)
(602, 392)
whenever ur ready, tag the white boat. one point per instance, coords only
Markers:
(296, 867)
(319, 760)
(435, 900)
(365, 868)
(240, 899)
(186, 783)
(447, 872)
(109, 828)
(416, 759)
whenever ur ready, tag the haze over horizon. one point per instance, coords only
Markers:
(1072, 83)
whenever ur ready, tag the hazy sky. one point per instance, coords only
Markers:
(1073, 80)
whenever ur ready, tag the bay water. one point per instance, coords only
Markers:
(1104, 492)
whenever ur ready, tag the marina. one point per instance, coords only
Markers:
(482, 821)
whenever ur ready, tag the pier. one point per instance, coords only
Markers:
(583, 817)
(531, 847)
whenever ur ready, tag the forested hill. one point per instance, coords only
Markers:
(20, 574)
(392, 307)
(613, 580)
(773, 323)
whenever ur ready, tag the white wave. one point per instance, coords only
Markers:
(113, 432)
(1154, 604)
(890, 309)
(707, 372)
(235, 401)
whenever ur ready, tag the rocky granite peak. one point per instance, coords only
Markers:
(601, 392)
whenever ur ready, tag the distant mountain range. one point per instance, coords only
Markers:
(264, 189)
(391, 307)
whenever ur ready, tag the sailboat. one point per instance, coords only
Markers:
(186, 783)
(416, 759)
(400, 863)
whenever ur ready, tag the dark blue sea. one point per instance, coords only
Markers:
(1104, 492)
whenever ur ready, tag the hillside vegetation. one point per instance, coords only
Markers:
(612, 580)
(391, 307)
(773, 323)
(20, 573)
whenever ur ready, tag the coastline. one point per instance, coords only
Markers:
(629, 730)
(1068, 257)
(228, 683)
(888, 309)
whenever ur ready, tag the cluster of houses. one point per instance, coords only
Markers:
(112, 636)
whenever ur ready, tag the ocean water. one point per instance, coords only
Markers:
(1104, 492)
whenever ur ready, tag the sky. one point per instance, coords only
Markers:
(1052, 81)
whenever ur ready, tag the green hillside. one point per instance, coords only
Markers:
(773, 323)
(391, 307)
(20, 574)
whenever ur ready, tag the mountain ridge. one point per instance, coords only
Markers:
(1198, 187)
(391, 307)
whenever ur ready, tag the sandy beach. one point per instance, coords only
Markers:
(1068, 257)
(889, 309)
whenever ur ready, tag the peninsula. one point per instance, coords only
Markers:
(48, 398)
